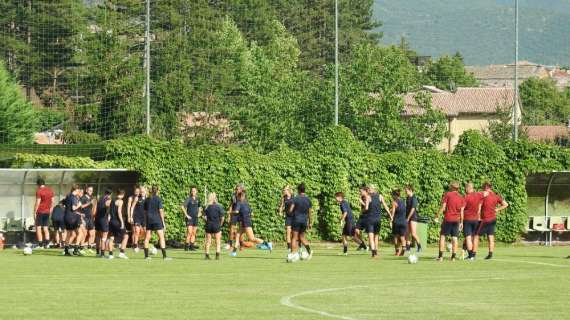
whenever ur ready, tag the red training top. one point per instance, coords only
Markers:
(490, 203)
(472, 201)
(453, 204)
(46, 196)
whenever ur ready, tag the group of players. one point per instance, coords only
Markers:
(82, 221)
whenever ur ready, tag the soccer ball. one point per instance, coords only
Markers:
(412, 259)
(292, 257)
(153, 251)
(27, 251)
(305, 255)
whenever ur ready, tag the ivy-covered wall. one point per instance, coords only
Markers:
(335, 162)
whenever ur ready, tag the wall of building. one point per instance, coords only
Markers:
(460, 124)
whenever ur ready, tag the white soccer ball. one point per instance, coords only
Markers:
(292, 257)
(27, 251)
(412, 259)
(305, 255)
(154, 251)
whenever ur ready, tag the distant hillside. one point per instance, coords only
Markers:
(482, 30)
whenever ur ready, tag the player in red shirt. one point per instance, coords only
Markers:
(452, 204)
(491, 204)
(471, 217)
(42, 211)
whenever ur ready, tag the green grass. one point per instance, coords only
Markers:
(522, 283)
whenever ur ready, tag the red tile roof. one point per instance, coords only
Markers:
(464, 101)
(546, 133)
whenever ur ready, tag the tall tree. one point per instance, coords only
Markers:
(543, 103)
(448, 73)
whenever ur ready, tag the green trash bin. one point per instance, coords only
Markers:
(422, 230)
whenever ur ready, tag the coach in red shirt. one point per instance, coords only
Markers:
(452, 204)
(42, 211)
(491, 204)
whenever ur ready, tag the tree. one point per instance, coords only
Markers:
(18, 120)
(543, 103)
(449, 73)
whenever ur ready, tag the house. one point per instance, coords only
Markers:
(561, 77)
(466, 109)
(547, 134)
(496, 76)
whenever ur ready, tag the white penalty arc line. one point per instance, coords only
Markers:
(287, 300)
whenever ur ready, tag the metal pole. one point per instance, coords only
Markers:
(516, 98)
(336, 64)
(147, 65)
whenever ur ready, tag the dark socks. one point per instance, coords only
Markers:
(408, 247)
(217, 256)
(288, 245)
(418, 246)
(163, 252)
(146, 252)
(440, 254)
(374, 253)
(453, 256)
(344, 249)
(490, 255)
(110, 253)
(122, 250)
(308, 248)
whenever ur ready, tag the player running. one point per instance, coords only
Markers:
(192, 208)
(471, 217)
(102, 222)
(136, 214)
(302, 221)
(346, 221)
(491, 204)
(452, 204)
(399, 222)
(87, 205)
(214, 216)
(155, 222)
(412, 218)
(42, 211)
(117, 229)
(284, 211)
(245, 214)
(58, 224)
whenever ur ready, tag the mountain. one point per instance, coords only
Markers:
(482, 30)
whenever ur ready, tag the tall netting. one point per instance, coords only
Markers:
(256, 72)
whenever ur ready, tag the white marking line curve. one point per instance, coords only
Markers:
(286, 301)
(534, 262)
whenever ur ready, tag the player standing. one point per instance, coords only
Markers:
(42, 211)
(284, 211)
(102, 222)
(87, 204)
(346, 221)
(155, 222)
(137, 215)
(399, 222)
(491, 204)
(72, 220)
(214, 216)
(117, 229)
(471, 217)
(412, 204)
(375, 205)
(58, 224)
(302, 209)
(452, 204)
(192, 209)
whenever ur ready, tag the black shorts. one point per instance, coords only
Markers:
(399, 229)
(42, 220)
(299, 226)
(371, 226)
(487, 228)
(235, 219)
(102, 225)
(288, 220)
(212, 228)
(450, 229)
(246, 222)
(138, 220)
(154, 226)
(348, 229)
(58, 225)
(89, 224)
(116, 231)
(359, 225)
(71, 222)
(192, 222)
(470, 228)
(414, 217)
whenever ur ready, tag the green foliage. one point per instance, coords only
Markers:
(27, 160)
(543, 103)
(336, 161)
(448, 73)
(80, 137)
(18, 120)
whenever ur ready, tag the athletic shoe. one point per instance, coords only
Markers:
(123, 256)
(310, 255)
(103, 257)
(81, 253)
(439, 259)
(148, 258)
(568, 257)
(137, 250)
(167, 259)
(471, 259)
(270, 247)
(111, 257)
(233, 254)
(208, 257)
(489, 257)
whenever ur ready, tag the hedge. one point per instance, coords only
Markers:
(335, 162)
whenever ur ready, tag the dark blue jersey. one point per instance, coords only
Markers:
(400, 213)
(375, 206)
(114, 211)
(302, 206)
(287, 203)
(153, 205)
(214, 214)
(139, 206)
(88, 210)
(102, 210)
(58, 213)
(244, 210)
(345, 208)
(71, 201)
(412, 203)
(192, 206)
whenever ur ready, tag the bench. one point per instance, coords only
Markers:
(540, 224)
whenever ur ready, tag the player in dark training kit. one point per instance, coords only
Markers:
(346, 221)
(373, 203)
(87, 205)
(471, 217)
(302, 209)
(155, 222)
(192, 208)
(245, 217)
(399, 222)
(233, 217)
(214, 216)
(117, 227)
(137, 215)
(72, 220)
(412, 204)
(58, 223)
(102, 222)
(284, 211)
(491, 204)
(452, 204)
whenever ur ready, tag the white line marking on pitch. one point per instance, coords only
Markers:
(286, 301)
(534, 262)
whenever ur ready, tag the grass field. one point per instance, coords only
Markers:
(521, 283)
